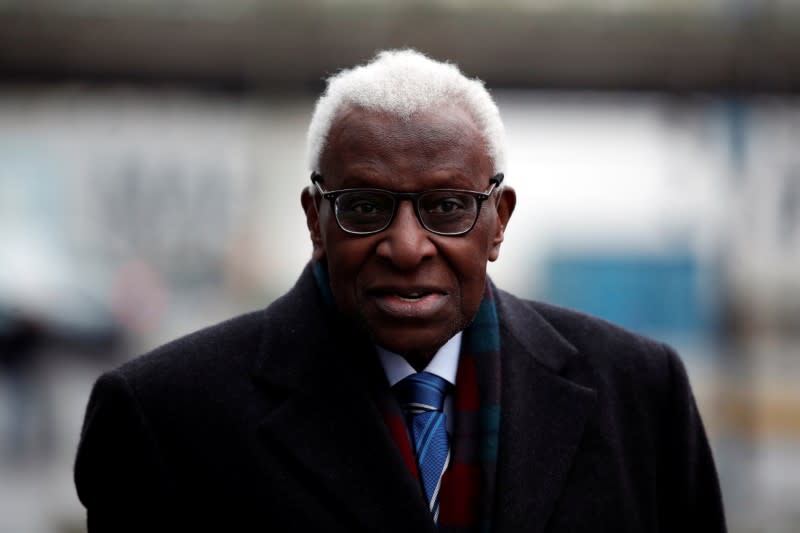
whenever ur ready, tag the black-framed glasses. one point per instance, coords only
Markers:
(449, 212)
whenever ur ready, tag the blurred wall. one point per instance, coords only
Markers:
(151, 159)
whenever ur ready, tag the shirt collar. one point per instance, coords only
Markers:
(444, 364)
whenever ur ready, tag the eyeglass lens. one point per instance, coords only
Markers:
(448, 212)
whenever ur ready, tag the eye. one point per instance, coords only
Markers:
(446, 205)
(365, 204)
(364, 207)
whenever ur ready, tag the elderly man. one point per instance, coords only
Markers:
(394, 388)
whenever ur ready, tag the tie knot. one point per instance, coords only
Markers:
(422, 391)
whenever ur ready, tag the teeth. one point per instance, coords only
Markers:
(412, 295)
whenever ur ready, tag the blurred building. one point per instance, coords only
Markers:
(151, 159)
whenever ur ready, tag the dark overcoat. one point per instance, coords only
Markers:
(268, 422)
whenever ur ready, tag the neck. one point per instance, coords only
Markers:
(419, 360)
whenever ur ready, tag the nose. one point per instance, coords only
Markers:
(405, 243)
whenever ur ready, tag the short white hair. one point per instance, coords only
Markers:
(404, 82)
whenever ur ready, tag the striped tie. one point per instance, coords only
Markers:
(421, 397)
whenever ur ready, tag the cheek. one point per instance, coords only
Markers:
(469, 265)
(472, 254)
(344, 259)
(333, 239)
(347, 258)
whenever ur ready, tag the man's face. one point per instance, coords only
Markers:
(410, 288)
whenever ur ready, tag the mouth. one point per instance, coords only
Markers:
(411, 293)
(411, 296)
(408, 302)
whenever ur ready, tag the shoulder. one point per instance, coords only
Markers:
(640, 384)
(224, 347)
(601, 353)
(203, 382)
(224, 351)
(643, 429)
(591, 333)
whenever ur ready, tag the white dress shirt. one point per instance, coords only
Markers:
(444, 364)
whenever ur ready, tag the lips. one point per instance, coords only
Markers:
(408, 302)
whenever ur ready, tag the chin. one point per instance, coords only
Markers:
(409, 341)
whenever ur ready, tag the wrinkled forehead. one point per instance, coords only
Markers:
(445, 139)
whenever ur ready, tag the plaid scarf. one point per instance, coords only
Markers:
(468, 484)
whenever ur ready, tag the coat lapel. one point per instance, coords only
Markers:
(543, 416)
(327, 417)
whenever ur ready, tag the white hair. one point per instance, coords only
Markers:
(403, 82)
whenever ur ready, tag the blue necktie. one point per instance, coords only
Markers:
(421, 397)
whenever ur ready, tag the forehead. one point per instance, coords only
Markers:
(442, 147)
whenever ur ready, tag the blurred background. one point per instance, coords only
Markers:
(152, 154)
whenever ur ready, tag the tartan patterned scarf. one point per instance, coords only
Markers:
(468, 484)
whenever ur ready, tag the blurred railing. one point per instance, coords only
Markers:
(679, 46)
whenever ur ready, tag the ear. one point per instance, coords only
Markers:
(505, 207)
(311, 207)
